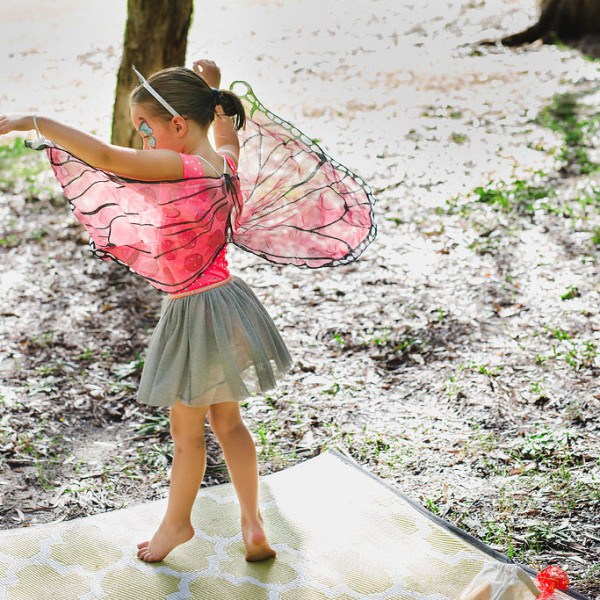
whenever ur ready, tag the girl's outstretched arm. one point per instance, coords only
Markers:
(226, 139)
(135, 164)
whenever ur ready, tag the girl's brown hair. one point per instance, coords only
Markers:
(190, 96)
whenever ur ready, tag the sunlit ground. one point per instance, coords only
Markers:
(361, 76)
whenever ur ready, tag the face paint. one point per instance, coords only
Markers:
(148, 131)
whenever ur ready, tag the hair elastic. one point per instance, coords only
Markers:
(155, 93)
(216, 94)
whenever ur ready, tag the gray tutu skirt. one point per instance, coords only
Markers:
(214, 346)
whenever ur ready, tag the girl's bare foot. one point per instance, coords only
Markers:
(257, 546)
(163, 541)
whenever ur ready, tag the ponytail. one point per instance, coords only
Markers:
(232, 107)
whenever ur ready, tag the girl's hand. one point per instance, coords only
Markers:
(10, 123)
(208, 70)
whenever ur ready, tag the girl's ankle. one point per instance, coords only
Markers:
(252, 521)
(176, 524)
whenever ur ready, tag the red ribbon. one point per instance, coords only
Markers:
(551, 579)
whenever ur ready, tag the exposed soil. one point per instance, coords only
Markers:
(458, 359)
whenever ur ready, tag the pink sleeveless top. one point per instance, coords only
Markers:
(218, 269)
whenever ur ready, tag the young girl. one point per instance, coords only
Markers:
(168, 214)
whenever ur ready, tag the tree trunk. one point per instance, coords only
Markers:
(566, 20)
(155, 38)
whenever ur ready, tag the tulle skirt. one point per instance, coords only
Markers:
(219, 345)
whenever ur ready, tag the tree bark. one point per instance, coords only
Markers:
(155, 38)
(565, 20)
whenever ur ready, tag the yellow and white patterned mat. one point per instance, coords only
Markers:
(340, 534)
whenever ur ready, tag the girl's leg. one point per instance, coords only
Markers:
(240, 456)
(189, 462)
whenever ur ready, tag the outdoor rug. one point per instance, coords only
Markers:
(340, 534)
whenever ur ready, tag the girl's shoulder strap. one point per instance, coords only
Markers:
(193, 168)
(230, 162)
(211, 165)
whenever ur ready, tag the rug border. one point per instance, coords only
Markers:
(339, 454)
